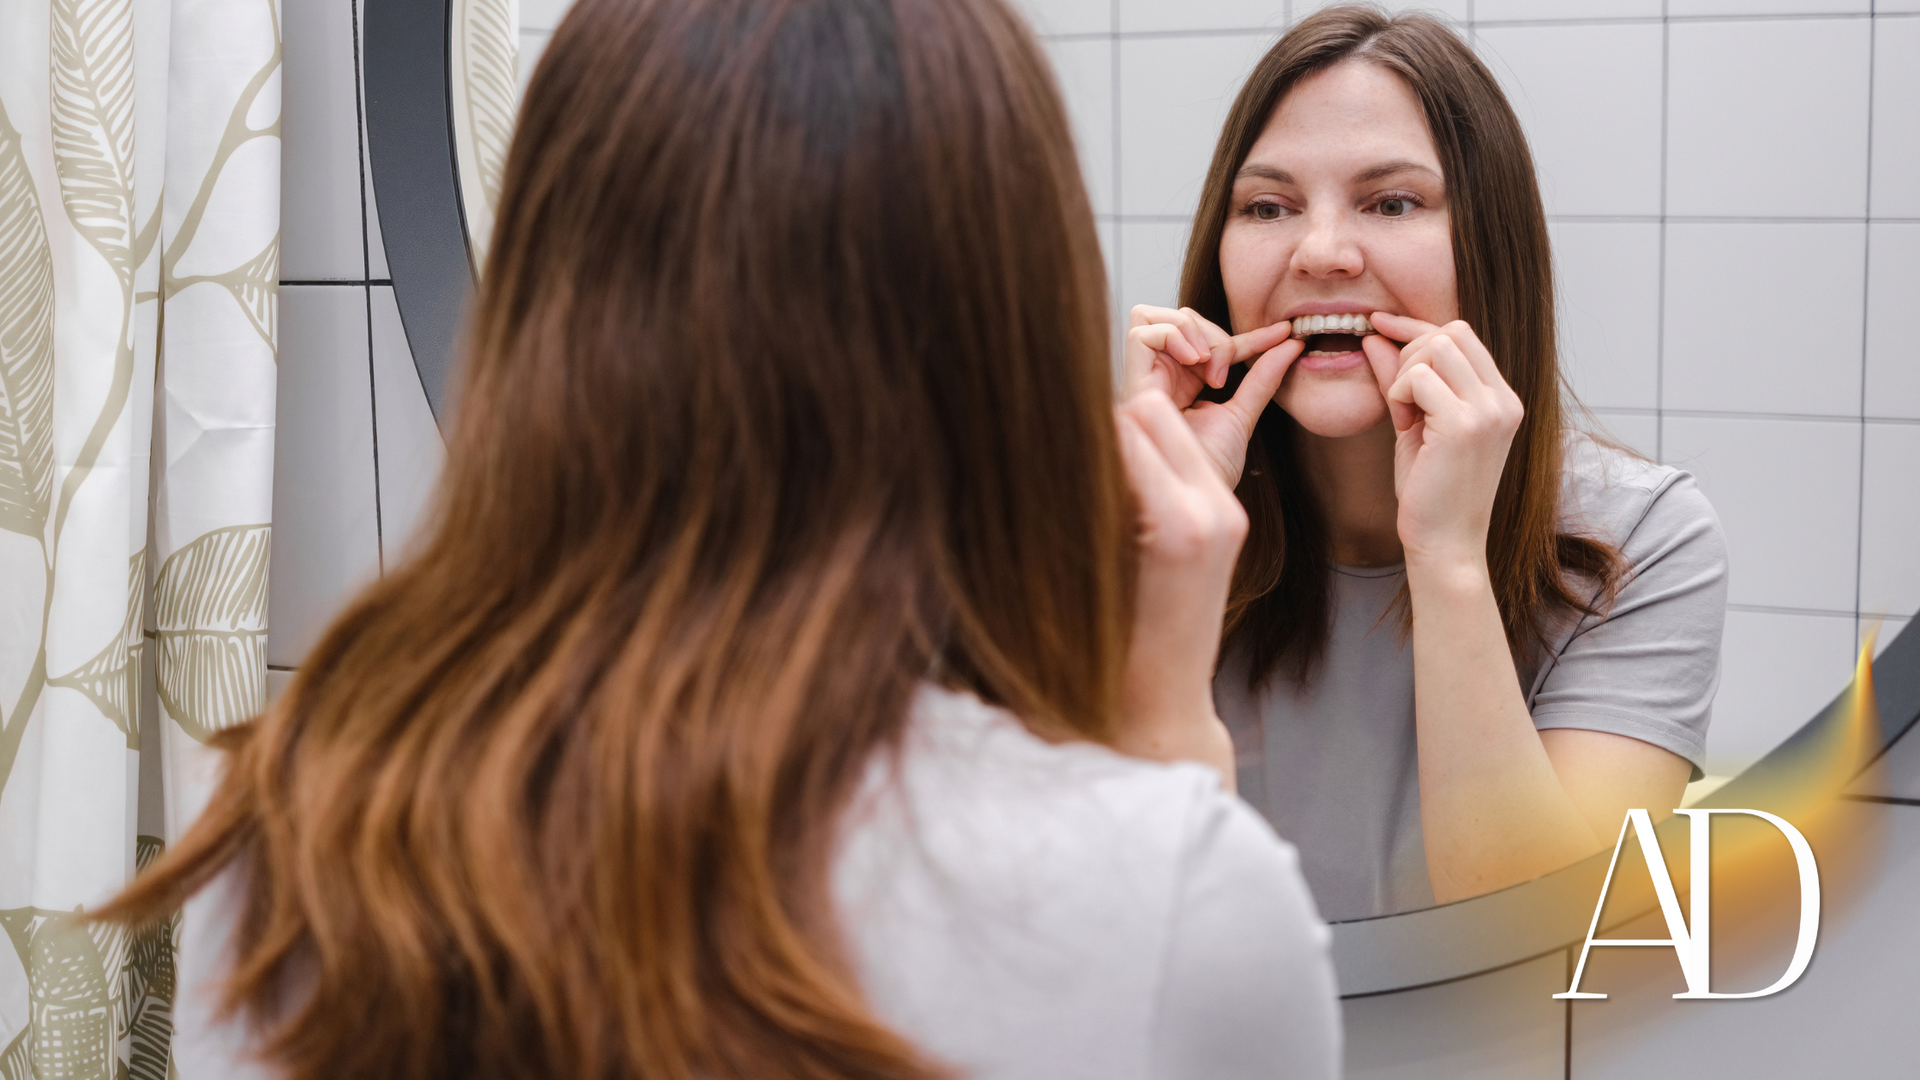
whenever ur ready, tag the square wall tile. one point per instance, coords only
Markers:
(1893, 350)
(1607, 277)
(1637, 431)
(1885, 631)
(376, 243)
(1776, 672)
(1764, 317)
(542, 14)
(325, 540)
(1503, 1025)
(1751, 105)
(1890, 521)
(1085, 70)
(319, 144)
(532, 44)
(1151, 255)
(1787, 492)
(1174, 95)
(1493, 10)
(1457, 10)
(277, 680)
(1684, 8)
(1589, 98)
(1896, 101)
(1067, 16)
(1151, 15)
(1885, 7)
(411, 449)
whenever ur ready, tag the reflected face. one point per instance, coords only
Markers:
(1339, 210)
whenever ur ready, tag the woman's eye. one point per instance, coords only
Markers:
(1395, 207)
(1266, 211)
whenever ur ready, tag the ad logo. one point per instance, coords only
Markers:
(1690, 937)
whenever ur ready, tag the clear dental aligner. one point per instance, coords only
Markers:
(1309, 325)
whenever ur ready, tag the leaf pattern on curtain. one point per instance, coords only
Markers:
(210, 627)
(74, 999)
(92, 51)
(145, 1018)
(26, 345)
(111, 680)
(491, 44)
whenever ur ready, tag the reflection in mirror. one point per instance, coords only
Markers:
(483, 88)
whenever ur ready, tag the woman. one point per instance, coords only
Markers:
(741, 716)
(1463, 638)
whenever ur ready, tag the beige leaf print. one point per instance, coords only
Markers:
(493, 61)
(111, 680)
(92, 106)
(146, 1015)
(210, 629)
(13, 1060)
(70, 1006)
(26, 345)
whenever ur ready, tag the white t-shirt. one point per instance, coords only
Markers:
(1020, 909)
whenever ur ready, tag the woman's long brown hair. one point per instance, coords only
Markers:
(1280, 609)
(788, 386)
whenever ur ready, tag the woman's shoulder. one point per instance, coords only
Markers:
(1613, 494)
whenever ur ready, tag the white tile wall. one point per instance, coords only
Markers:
(1150, 15)
(1777, 670)
(1890, 521)
(1893, 349)
(1151, 254)
(1498, 10)
(1590, 99)
(410, 447)
(1685, 8)
(1608, 279)
(1085, 70)
(1787, 492)
(1174, 93)
(319, 144)
(1504, 1025)
(1768, 118)
(1896, 103)
(325, 531)
(1765, 317)
(1059, 16)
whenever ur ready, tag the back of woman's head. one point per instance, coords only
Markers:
(787, 389)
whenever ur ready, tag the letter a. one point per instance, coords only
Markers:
(1692, 946)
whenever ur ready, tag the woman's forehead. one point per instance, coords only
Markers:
(1353, 116)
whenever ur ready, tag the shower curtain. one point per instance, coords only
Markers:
(139, 254)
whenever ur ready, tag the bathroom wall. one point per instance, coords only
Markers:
(1734, 189)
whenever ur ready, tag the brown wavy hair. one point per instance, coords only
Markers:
(788, 388)
(1280, 608)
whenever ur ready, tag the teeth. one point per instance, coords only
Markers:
(1309, 325)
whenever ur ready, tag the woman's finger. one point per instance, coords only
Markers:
(1240, 348)
(1263, 379)
(1152, 479)
(1184, 321)
(1142, 314)
(1400, 327)
(1163, 424)
(1423, 387)
(1445, 356)
(1475, 352)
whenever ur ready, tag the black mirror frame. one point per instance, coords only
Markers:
(417, 188)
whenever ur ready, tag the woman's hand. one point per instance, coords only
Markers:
(1190, 531)
(1455, 418)
(1181, 353)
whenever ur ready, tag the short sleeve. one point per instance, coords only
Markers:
(1650, 667)
(1247, 990)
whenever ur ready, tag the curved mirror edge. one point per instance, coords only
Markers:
(1414, 949)
(415, 180)
(434, 130)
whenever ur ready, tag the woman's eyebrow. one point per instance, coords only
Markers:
(1391, 168)
(1264, 172)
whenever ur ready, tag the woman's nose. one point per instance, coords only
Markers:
(1328, 248)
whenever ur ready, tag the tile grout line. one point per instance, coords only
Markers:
(1866, 310)
(1660, 314)
(366, 273)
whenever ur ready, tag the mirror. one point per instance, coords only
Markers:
(443, 80)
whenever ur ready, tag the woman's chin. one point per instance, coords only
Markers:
(1337, 414)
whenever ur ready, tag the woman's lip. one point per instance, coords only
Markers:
(1345, 361)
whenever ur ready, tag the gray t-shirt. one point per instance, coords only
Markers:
(1335, 766)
